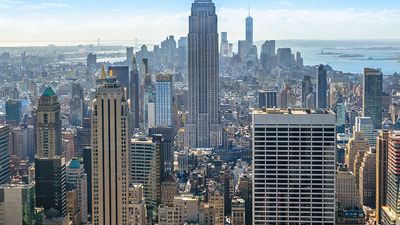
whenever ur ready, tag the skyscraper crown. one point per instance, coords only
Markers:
(48, 92)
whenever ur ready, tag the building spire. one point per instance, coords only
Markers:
(103, 74)
(249, 10)
(110, 73)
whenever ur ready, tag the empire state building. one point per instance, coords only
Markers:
(203, 127)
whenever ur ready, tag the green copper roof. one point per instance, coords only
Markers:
(74, 164)
(49, 92)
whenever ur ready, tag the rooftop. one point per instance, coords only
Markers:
(48, 92)
(74, 164)
(291, 111)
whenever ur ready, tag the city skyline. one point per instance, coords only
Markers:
(205, 117)
(27, 21)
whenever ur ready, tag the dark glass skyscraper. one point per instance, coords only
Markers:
(4, 154)
(306, 89)
(249, 30)
(13, 112)
(372, 97)
(203, 127)
(322, 85)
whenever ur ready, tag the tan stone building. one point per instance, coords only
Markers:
(110, 152)
(238, 212)
(169, 188)
(346, 188)
(367, 179)
(355, 149)
(137, 214)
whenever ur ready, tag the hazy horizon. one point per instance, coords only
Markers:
(73, 21)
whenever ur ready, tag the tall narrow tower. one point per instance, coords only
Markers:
(203, 127)
(249, 30)
(322, 85)
(49, 139)
(49, 160)
(372, 97)
(109, 152)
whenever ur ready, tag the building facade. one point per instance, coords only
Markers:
(381, 172)
(143, 168)
(367, 180)
(164, 104)
(76, 176)
(49, 160)
(48, 129)
(322, 87)
(203, 127)
(137, 206)
(346, 189)
(17, 204)
(4, 154)
(372, 96)
(294, 166)
(110, 149)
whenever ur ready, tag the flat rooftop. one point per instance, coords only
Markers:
(284, 111)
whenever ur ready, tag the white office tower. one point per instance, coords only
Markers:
(110, 149)
(294, 166)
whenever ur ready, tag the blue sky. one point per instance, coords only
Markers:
(149, 21)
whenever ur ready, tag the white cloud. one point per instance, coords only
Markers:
(148, 27)
(25, 6)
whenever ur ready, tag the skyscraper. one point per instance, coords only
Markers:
(365, 125)
(322, 86)
(129, 56)
(224, 51)
(381, 172)
(76, 104)
(367, 179)
(355, 150)
(109, 152)
(13, 112)
(293, 169)
(17, 204)
(134, 94)
(144, 169)
(167, 148)
(203, 127)
(285, 57)
(121, 73)
(91, 60)
(76, 176)
(149, 99)
(267, 56)
(390, 212)
(340, 113)
(164, 105)
(306, 89)
(249, 30)
(49, 139)
(372, 96)
(262, 99)
(272, 99)
(4, 154)
(49, 160)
